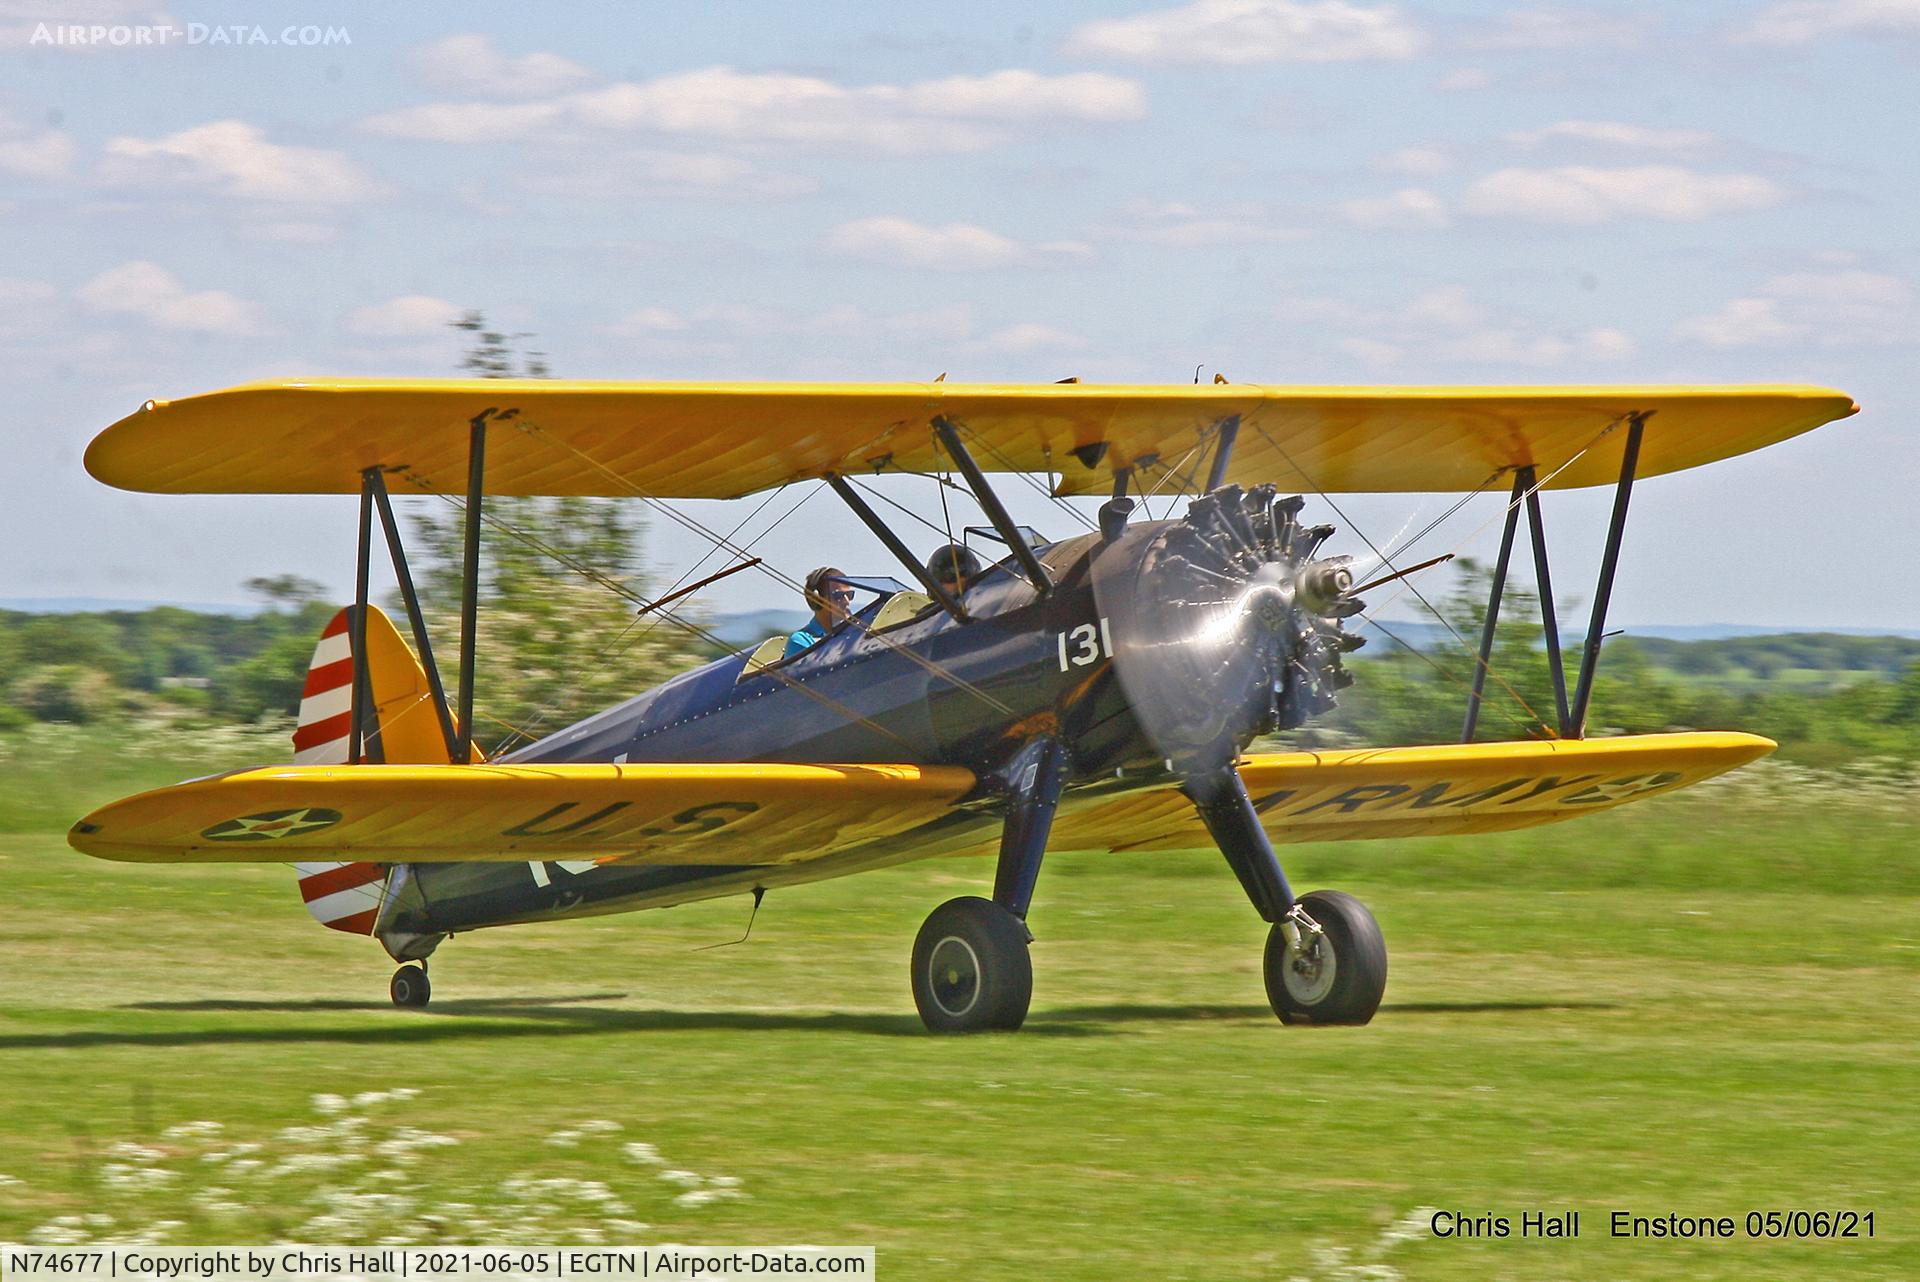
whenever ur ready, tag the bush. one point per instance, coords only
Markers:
(65, 692)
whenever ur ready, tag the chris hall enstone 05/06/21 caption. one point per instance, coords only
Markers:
(1791, 1224)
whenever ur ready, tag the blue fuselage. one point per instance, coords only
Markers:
(930, 690)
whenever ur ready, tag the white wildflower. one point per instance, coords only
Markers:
(686, 1179)
(600, 1126)
(136, 1152)
(329, 1104)
(564, 1139)
(191, 1130)
(646, 1154)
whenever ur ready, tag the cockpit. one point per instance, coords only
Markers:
(883, 603)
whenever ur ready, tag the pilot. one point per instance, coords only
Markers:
(831, 598)
(953, 568)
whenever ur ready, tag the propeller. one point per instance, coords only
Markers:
(1225, 624)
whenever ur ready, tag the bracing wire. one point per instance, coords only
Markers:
(695, 629)
(1411, 586)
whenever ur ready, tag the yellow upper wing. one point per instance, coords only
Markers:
(724, 440)
(659, 814)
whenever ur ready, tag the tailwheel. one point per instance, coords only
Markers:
(971, 969)
(410, 986)
(1326, 962)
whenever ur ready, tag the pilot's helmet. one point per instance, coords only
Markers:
(953, 562)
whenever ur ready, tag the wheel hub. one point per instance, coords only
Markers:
(1311, 971)
(953, 972)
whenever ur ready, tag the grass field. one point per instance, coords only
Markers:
(1705, 1005)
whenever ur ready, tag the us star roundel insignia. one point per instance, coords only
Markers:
(273, 824)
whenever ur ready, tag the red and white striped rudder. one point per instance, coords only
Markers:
(341, 896)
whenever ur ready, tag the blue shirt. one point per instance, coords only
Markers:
(812, 634)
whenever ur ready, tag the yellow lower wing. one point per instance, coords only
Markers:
(1429, 791)
(776, 814)
(667, 814)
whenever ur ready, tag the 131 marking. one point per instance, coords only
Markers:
(1090, 642)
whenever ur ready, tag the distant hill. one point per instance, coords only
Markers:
(754, 625)
(1428, 633)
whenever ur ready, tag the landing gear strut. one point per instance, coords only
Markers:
(971, 969)
(1326, 962)
(410, 986)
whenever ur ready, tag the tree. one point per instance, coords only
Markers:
(558, 584)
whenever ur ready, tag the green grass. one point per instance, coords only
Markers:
(1705, 1004)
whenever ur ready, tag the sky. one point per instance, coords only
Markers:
(1277, 191)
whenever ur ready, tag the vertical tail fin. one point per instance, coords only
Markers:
(402, 726)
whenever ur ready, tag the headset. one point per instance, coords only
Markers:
(816, 585)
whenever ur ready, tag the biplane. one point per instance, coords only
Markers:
(1097, 692)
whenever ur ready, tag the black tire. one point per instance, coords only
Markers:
(971, 969)
(410, 987)
(1346, 989)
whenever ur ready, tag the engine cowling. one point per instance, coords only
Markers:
(1226, 624)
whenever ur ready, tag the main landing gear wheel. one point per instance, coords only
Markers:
(971, 969)
(1338, 975)
(410, 986)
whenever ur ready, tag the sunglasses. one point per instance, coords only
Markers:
(841, 595)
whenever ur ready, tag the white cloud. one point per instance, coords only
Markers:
(710, 172)
(45, 154)
(1410, 207)
(234, 158)
(1087, 96)
(1031, 337)
(1185, 226)
(898, 242)
(467, 122)
(1743, 322)
(1240, 32)
(473, 64)
(1416, 162)
(1559, 28)
(27, 309)
(1371, 351)
(408, 316)
(650, 320)
(1449, 324)
(1517, 347)
(1614, 133)
(1831, 308)
(154, 295)
(17, 292)
(1464, 80)
(947, 330)
(1798, 21)
(1583, 195)
(1451, 308)
(292, 232)
(960, 113)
